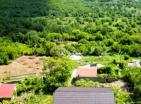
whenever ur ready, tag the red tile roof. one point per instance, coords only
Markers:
(7, 90)
(87, 71)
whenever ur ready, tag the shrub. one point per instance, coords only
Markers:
(104, 70)
(126, 57)
(54, 37)
(58, 73)
(4, 59)
(58, 52)
(70, 48)
(30, 85)
(135, 51)
(99, 37)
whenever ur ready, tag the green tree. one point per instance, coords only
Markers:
(58, 72)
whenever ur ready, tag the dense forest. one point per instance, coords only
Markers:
(58, 28)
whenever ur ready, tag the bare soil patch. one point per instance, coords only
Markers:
(120, 84)
(22, 66)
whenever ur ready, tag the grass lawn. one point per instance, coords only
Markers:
(103, 59)
(107, 59)
(46, 99)
(34, 99)
(40, 99)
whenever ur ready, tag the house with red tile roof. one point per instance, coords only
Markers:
(7, 90)
(85, 71)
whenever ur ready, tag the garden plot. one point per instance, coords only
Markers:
(24, 65)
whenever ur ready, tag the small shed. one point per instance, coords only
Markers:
(7, 91)
(81, 95)
(85, 71)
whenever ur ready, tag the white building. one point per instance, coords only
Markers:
(76, 57)
(135, 63)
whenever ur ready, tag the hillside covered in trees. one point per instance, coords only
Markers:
(58, 28)
(98, 27)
